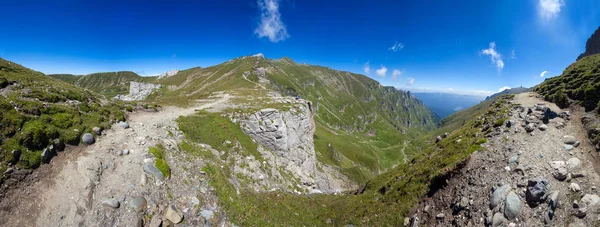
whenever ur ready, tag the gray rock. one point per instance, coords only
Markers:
(560, 170)
(173, 215)
(569, 140)
(579, 210)
(510, 123)
(576, 144)
(138, 91)
(88, 138)
(498, 219)
(513, 160)
(152, 170)
(126, 151)
(111, 202)
(123, 124)
(97, 130)
(138, 204)
(207, 214)
(155, 221)
(438, 139)
(512, 206)
(537, 190)
(499, 195)
(47, 155)
(554, 200)
(574, 187)
(530, 127)
(195, 201)
(590, 199)
(568, 147)
(573, 163)
(16, 155)
(543, 127)
(440, 216)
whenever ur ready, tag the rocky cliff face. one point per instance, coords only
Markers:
(138, 91)
(592, 46)
(286, 140)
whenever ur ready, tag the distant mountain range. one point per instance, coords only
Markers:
(510, 91)
(445, 104)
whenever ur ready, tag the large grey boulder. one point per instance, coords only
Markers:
(512, 206)
(573, 163)
(569, 139)
(138, 204)
(88, 139)
(537, 190)
(591, 199)
(499, 195)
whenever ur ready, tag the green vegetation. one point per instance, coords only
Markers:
(580, 82)
(159, 152)
(37, 109)
(109, 84)
(386, 198)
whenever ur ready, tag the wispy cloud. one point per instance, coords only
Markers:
(543, 73)
(513, 55)
(270, 24)
(396, 73)
(503, 88)
(381, 71)
(396, 47)
(410, 81)
(458, 108)
(549, 9)
(480, 93)
(367, 68)
(494, 56)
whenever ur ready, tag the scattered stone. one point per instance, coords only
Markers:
(499, 195)
(513, 160)
(573, 163)
(111, 202)
(512, 224)
(119, 152)
(207, 214)
(440, 216)
(569, 140)
(155, 221)
(173, 215)
(576, 144)
(560, 170)
(123, 124)
(530, 127)
(97, 130)
(575, 187)
(509, 123)
(554, 199)
(438, 139)
(537, 190)
(406, 221)
(88, 138)
(138, 204)
(568, 147)
(195, 201)
(126, 151)
(579, 210)
(512, 206)
(152, 170)
(590, 199)
(498, 219)
(543, 127)
(144, 179)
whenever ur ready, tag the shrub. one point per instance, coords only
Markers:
(34, 135)
(30, 159)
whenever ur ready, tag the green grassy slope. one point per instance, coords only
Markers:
(36, 109)
(109, 84)
(362, 127)
(384, 201)
(579, 82)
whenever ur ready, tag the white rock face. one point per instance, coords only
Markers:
(138, 91)
(287, 137)
(260, 55)
(169, 73)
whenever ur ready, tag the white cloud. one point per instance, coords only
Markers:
(549, 9)
(543, 73)
(503, 88)
(367, 68)
(513, 55)
(270, 24)
(458, 108)
(396, 47)
(410, 81)
(396, 73)
(479, 93)
(494, 56)
(381, 71)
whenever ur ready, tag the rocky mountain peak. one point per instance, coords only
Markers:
(168, 74)
(592, 46)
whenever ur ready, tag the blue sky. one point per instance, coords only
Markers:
(474, 46)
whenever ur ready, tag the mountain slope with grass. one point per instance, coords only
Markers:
(109, 84)
(41, 115)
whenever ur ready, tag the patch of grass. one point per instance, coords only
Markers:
(500, 121)
(163, 166)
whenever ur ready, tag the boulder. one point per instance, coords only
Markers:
(498, 219)
(138, 204)
(499, 195)
(560, 170)
(111, 202)
(438, 139)
(124, 124)
(543, 127)
(575, 187)
(47, 154)
(573, 163)
(569, 139)
(173, 215)
(568, 147)
(591, 199)
(88, 139)
(512, 206)
(530, 127)
(97, 130)
(152, 170)
(537, 190)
